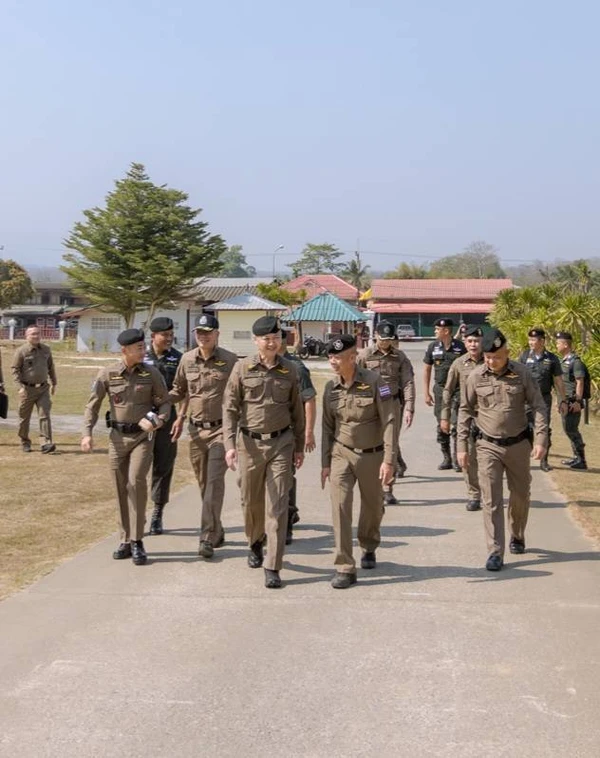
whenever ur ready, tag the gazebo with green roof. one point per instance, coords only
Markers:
(326, 314)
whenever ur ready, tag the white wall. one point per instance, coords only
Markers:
(235, 328)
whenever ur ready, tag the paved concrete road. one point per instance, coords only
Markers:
(429, 655)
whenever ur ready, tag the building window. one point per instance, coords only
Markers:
(100, 323)
(241, 335)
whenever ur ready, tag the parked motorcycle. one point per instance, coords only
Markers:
(312, 346)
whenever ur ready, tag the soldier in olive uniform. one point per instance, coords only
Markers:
(32, 368)
(396, 370)
(263, 432)
(457, 379)
(440, 355)
(309, 404)
(162, 355)
(546, 370)
(496, 397)
(199, 386)
(573, 373)
(134, 390)
(358, 445)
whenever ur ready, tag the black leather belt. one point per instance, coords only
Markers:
(377, 449)
(206, 424)
(125, 428)
(262, 436)
(505, 441)
(41, 384)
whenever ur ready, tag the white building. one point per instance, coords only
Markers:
(236, 316)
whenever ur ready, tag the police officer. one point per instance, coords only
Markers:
(397, 371)
(33, 370)
(199, 386)
(309, 404)
(263, 433)
(457, 378)
(440, 355)
(358, 445)
(162, 355)
(573, 373)
(134, 390)
(496, 397)
(546, 370)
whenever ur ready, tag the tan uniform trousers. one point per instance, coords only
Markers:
(265, 472)
(398, 413)
(471, 474)
(130, 458)
(207, 456)
(347, 468)
(493, 462)
(40, 397)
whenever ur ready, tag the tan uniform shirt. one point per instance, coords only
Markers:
(459, 372)
(498, 402)
(360, 416)
(1, 376)
(395, 369)
(131, 393)
(33, 365)
(263, 400)
(204, 382)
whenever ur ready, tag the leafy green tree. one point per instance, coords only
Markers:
(15, 284)
(356, 274)
(479, 260)
(279, 295)
(142, 249)
(577, 277)
(317, 259)
(233, 263)
(407, 271)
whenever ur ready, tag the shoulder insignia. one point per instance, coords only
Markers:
(363, 387)
(282, 370)
(385, 391)
(220, 363)
(144, 373)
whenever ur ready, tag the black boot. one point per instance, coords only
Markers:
(138, 553)
(400, 466)
(447, 459)
(579, 463)
(544, 465)
(156, 524)
(455, 463)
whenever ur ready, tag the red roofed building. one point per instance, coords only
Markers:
(420, 302)
(316, 284)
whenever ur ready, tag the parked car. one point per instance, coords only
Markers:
(405, 332)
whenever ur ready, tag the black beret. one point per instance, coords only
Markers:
(130, 337)
(564, 336)
(161, 324)
(536, 333)
(386, 330)
(472, 331)
(341, 343)
(266, 325)
(206, 323)
(443, 322)
(492, 341)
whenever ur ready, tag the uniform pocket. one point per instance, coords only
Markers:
(254, 389)
(485, 396)
(280, 391)
(118, 393)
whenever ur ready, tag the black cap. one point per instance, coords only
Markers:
(266, 325)
(564, 336)
(161, 324)
(443, 322)
(206, 323)
(472, 331)
(537, 332)
(341, 343)
(130, 337)
(492, 341)
(385, 329)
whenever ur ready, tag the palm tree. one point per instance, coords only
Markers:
(356, 274)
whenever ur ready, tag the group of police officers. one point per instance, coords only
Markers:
(257, 415)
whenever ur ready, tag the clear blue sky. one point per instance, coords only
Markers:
(414, 127)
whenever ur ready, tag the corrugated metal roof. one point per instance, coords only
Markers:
(442, 307)
(430, 289)
(326, 307)
(215, 289)
(315, 284)
(246, 302)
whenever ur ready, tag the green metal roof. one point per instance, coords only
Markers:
(325, 307)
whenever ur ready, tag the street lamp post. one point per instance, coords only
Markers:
(279, 247)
